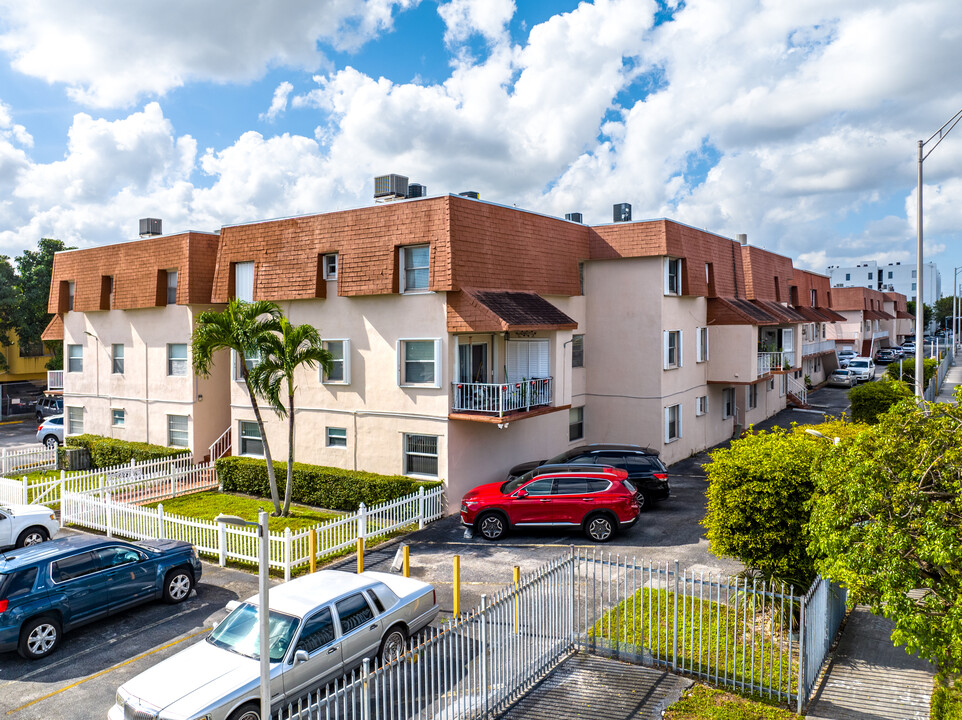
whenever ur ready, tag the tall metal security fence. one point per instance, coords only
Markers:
(736, 632)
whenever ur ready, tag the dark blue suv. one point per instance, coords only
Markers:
(53, 587)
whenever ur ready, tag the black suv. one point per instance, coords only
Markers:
(645, 470)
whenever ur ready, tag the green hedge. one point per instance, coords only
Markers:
(323, 487)
(946, 701)
(873, 399)
(105, 451)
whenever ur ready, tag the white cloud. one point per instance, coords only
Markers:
(278, 102)
(111, 54)
(464, 18)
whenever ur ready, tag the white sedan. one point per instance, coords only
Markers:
(321, 626)
(22, 525)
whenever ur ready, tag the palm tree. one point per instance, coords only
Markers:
(245, 328)
(284, 351)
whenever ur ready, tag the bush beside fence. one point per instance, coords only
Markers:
(323, 487)
(108, 452)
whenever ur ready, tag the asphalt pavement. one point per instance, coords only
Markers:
(18, 431)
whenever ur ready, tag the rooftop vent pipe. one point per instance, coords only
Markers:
(621, 212)
(149, 227)
(742, 238)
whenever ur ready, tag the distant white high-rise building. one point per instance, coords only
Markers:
(893, 277)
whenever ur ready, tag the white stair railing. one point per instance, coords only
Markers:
(221, 446)
(798, 389)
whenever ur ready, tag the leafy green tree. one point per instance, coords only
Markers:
(886, 521)
(8, 306)
(35, 268)
(758, 493)
(247, 329)
(284, 352)
(943, 310)
(926, 314)
(873, 399)
(907, 366)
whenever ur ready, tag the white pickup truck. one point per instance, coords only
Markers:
(22, 525)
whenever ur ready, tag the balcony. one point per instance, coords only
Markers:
(502, 399)
(54, 380)
(769, 362)
(817, 348)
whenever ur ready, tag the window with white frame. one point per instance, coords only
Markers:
(728, 402)
(336, 437)
(75, 358)
(701, 344)
(340, 372)
(244, 281)
(752, 395)
(250, 440)
(527, 359)
(117, 359)
(177, 431)
(415, 264)
(329, 266)
(171, 287)
(672, 423)
(75, 421)
(251, 361)
(672, 349)
(177, 359)
(577, 351)
(71, 286)
(701, 405)
(118, 417)
(418, 362)
(421, 455)
(814, 298)
(672, 276)
(576, 423)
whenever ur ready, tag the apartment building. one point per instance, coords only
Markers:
(895, 277)
(125, 314)
(872, 320)
(468, 336)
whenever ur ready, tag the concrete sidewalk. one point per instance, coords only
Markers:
(952, 378)
(870, 679)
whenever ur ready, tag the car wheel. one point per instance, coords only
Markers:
(31, 536)
(250, 711)
(39, 637)
(177, 585)
(40, 417)
(599, 528)
(492, 526)
(392, 646)
(644, 503)
(51, 442)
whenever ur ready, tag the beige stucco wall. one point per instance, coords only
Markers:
(736, 353)
(144, 390)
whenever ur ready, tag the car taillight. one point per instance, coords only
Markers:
(660, 476)
(3, 605)
(39, 427)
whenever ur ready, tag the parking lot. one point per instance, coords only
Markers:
(18, 431)
(79, 680)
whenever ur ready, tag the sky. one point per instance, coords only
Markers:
(796, 123)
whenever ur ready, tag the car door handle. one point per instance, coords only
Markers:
(587, 499)
(544, 500)
(331, 651)
(373, 627)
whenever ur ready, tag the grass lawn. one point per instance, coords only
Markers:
(733, 640)
(705, 703)
(208, 505)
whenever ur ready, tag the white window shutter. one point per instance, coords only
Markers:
(667, 265)
(704, 351)
(665, 353)
(541, 366)
(678, 420)
(681, 337)
(698, 349)
(347, 362)
(516, 357)
(437, 363)
(667, 436)
(400, 360)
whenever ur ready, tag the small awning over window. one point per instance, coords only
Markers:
(472, 310)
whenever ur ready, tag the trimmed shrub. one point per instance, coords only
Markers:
(930, 366)
(873, 399)
(105, 451)
(323, 487)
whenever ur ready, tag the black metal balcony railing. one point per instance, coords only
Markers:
(502, 398)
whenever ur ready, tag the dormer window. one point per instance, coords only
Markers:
(171, 287)
(814, 298)
(672, 276)
(330, 266)
(415, 268)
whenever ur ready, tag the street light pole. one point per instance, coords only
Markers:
(919, 302)
(263, 601)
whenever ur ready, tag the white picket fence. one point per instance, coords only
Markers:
(47, 489)
(111, 509)
(27, 459)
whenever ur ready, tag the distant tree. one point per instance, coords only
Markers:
(907, 367)
(246, 328)
(35, 268)
(284, 351)
(886, 522)
(926, 314)
(8, 306)
(943, 310)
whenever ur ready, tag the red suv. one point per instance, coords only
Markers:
(598, 499)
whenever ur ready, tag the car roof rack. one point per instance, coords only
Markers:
(573, 468)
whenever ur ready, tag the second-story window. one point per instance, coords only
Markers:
(415, 262)
(418, 360)
(330, 266)
(701, 344)
(117, 359)
(672, 349)
(340, 362)
(177, 359)
(672, 276)
(71, 286)
(171, 287)
(577, 351)
(244, 281)
(75, 358)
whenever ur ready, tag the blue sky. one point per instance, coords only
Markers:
(794, 123)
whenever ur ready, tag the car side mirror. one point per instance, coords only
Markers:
(233, 605)
(301, 656)
(213, 626)
(521, 493)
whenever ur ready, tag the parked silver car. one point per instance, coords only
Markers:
(843, 377)
(50, 432)
(321, 625)
(25, 525)
(864, 368)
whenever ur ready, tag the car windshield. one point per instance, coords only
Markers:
(512, 485)
(240, 633)
(859, 363)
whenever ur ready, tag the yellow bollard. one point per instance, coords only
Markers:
(405, 561)
(312, 548)
(360, 555)
(457, 585)
(517, 603)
